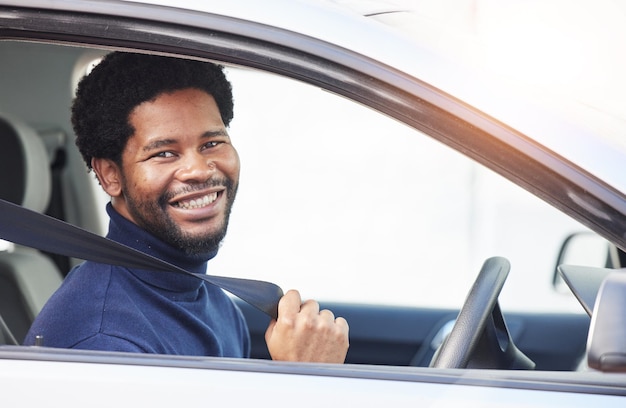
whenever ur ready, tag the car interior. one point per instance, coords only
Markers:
(42, 171)
(28, 277)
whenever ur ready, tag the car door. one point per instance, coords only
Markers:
(386, 224)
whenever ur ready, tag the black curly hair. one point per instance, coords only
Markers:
(120, 82)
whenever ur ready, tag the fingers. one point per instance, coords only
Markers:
(291, 309)
(312, 307)
(303, 332)
(290, 303)
(326, 314)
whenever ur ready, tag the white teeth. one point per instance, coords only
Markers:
(197, 203)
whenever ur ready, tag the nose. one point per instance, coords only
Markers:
(195, 167)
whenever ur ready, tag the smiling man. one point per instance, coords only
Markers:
(154, 131)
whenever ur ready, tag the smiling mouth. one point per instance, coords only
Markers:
(197, 202)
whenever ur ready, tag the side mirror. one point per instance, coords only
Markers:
(606, 345)
(602, 293)
(585, 249)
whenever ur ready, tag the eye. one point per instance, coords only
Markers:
(166, 154)
(210, 145)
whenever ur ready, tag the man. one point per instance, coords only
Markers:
(154, 131)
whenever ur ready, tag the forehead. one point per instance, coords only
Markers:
(180, 98)
(176, 116)
(184, 107)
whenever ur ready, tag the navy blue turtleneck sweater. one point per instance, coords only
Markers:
(104, 307)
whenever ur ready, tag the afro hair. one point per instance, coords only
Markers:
(121, 81)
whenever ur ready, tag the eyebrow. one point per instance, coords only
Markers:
(157, 144)
(213, 133)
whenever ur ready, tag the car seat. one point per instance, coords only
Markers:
(27, 276)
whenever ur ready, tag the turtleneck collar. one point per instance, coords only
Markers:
(128, 233)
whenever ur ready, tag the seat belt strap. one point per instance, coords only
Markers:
(30, 228)
(6, 336)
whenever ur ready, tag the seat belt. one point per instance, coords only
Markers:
(6, 336)
(30, 228)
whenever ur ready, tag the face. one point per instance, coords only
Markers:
(179, 171)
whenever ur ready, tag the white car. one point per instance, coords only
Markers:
(389, 153)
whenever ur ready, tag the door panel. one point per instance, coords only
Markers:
(403, 336)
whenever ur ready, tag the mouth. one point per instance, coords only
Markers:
(198, 202)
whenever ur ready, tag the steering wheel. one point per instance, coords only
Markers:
(479, 337)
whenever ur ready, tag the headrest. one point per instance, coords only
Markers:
(25, 176)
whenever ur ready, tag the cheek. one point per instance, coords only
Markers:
(146, 181)
(232, 165)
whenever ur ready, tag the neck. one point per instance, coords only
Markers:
(128, 233)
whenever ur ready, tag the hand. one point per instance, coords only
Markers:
(304, 333)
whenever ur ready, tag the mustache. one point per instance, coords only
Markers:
(192, 187)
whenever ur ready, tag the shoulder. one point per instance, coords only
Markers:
(74, 311)
(87, 273)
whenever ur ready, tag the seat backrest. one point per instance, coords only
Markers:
(27, 276)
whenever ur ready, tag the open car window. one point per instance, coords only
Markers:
(350, 205)
(353, 206)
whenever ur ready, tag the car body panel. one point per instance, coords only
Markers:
(163, 380)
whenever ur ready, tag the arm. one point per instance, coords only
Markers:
(304, 333)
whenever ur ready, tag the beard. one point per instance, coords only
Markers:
(154, 218)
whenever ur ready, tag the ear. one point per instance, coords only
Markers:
(109, 175)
